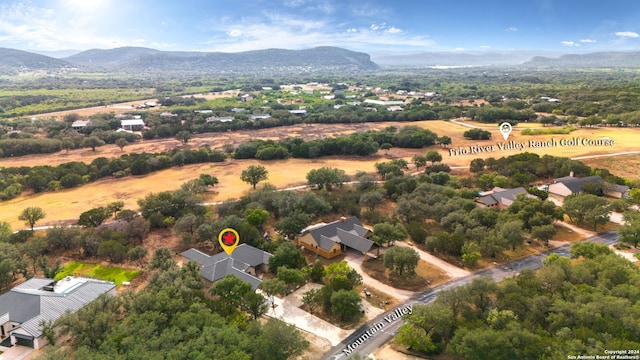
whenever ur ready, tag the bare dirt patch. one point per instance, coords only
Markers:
(426, 276)
(318, 346)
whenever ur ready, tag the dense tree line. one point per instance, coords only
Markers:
(50, 178)
(579, 307)
(364, 143)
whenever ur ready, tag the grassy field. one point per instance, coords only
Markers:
(97, 271)
(68, 204)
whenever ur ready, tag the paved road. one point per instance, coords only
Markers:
(386, 332)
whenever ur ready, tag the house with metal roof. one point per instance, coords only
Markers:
(570, 185)
(24, 307)
(132, 124)
(245, 262)
(332, 239)
(500, 198)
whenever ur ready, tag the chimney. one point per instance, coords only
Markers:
(571, 174)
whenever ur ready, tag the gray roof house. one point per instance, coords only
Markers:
(243, 262)
(332, 239)
(499, 197)
(570, 185)
(26, 305)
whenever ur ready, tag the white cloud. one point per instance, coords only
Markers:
(294, 3)
(458, 49)
(393, 30)
(627, 34)
(588, 41)
(569, 43)
(280, 31)
(512, 29)
(138, 41)
(485, 46)
(234, 33)
(66, 24)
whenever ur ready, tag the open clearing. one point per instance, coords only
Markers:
(109, 273)
(68, 204)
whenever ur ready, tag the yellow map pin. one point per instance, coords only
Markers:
(228, 239)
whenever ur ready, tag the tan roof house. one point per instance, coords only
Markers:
(332, 239)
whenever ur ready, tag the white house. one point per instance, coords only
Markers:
(132, 124)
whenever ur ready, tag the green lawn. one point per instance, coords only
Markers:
(97, 271)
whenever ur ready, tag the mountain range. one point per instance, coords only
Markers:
(146, 61)
(139, 60)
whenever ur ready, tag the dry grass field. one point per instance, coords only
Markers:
(68, 204)
(626, 166)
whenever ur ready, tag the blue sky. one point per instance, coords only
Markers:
(371, 26)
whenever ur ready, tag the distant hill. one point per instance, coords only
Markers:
(57, 54)
(459, 58)
(14, 61)
(612, 59)
(271, 61)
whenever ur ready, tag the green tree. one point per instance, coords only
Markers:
(543, 233)
(293, 278)
(311, 299)
(230, 291)
(477, 165)
(587, 208)
(31, 215)
(94, 217)
(415, 338)
(292, 224)
(346, 304)
(470, 253)
(286, 255)
(340, 275)
(326, 177)
(256, 217)
(433, 156)
(162, 259)
(254, 174)
(386, 147)
(121, 143)
(279, 341)
(183, 136)
(419, 161)
(93, 142)
(112, 250)
(511, 232)
(401, 260)
(630, 231)
(254, 304)
(114, 207)
(372, 198)
(273, 287)
(444, 141)
(137, 254)
(386, 233)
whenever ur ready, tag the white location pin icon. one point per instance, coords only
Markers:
(505, 129)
